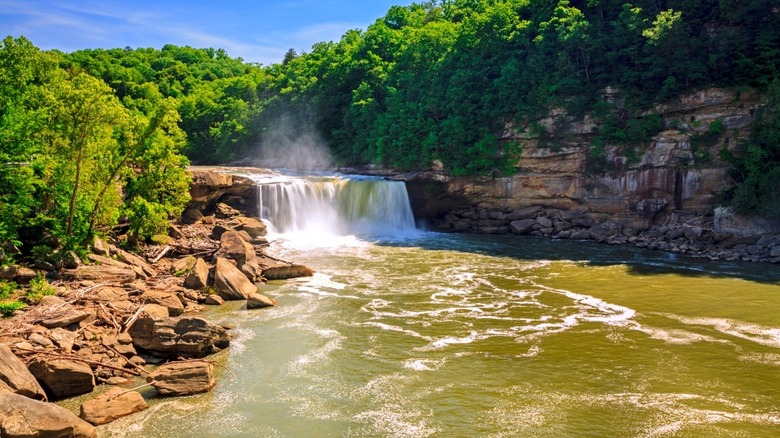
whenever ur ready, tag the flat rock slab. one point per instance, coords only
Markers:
(114, 404)
(279, 270)
(183, 378)
(24, 417)
(101, 274)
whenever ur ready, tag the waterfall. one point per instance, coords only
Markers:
(334, 206)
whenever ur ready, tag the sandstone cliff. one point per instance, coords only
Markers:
(672, 174)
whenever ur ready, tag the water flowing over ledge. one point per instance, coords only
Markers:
(335, 205)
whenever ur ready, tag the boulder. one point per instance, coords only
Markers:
(233, 247)
(253, 270)
(8, 272)
(230, 282)
(114, 404)
(214, 300)
(192, 215)
(156, 311)
(184, 265)
(136, 261)
(199, 276)
(16, 273)
(24, 417)
(544, 222)
(523, 226)
(184, 336)
(71, 260)
(219, 230)
(279, 270)
(113, 342)
(62, 378)
(117, 296)
(601, 232)
(15, 377)
(246, 236)
(253, 227)
(64, 339)
(168, 300)
(259, 301)
(225, 211)
(100, 247)
(183, 378)
(693, 233)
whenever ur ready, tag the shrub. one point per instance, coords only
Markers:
(39, 288)
(7, 308)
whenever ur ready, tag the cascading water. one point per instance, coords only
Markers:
(335, 206)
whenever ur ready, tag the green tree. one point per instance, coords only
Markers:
(757, 164)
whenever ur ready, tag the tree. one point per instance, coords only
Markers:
(757, 164)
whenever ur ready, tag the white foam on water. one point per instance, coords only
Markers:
(240, 338)
(761, 358)
(424, 364)
(390, 328)
(397, 422)
(300, 366)
(440, 343)
(759, 334)
(674, 336)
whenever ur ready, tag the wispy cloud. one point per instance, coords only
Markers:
(257, 33)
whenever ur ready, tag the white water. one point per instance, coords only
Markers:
(319, 209)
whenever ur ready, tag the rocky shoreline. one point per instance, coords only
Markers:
(721, 236)
(115, 317)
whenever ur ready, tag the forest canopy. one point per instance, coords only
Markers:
(94, 135)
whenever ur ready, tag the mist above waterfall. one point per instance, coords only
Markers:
(293, 145)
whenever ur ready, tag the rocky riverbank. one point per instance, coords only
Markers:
(722, 236)
(118, 314)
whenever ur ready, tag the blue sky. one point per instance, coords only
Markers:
(258, 31)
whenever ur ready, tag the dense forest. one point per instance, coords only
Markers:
(97, 135)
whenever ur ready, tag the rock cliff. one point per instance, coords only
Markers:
(674, 173)
(672, 183)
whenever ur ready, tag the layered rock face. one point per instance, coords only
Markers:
(674, 173)
(665, 198)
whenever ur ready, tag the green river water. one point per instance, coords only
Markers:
(438, 335)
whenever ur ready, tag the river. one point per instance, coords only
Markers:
(406, 333)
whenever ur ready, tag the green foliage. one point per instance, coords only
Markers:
(73, 153)
(7, 288)
(146, 218)
(756, 164)
(7, 308)
(702, 142)
(39, 288)
(626, 133)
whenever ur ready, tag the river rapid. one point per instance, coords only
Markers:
(406, 333)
